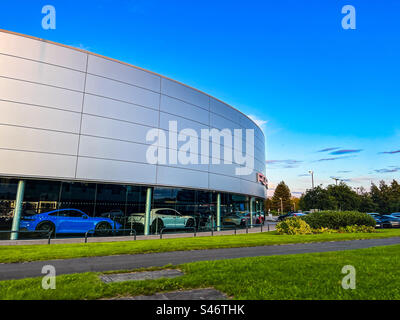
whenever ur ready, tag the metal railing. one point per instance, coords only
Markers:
(133, 232)
(93, 232)
(27, 231)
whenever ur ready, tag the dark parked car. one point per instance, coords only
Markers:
(377, 218)
(289, 215)
(388, 221)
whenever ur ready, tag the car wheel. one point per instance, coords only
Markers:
(46, 227)
(102, 229)
(190, 223)
(157, 226)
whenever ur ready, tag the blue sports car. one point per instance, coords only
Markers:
(68, 221)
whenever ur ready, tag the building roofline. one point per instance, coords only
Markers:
(129, 65)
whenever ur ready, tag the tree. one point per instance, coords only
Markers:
(281, 191)
(295, 203)
(394, 197)
(268, 205)
(380, 196)
(366, 203)
(317, 198)
(346, 198)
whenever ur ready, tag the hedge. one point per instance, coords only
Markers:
(338, 219)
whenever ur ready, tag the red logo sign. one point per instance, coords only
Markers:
(262, 179)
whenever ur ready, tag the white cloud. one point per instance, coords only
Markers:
(258, 121)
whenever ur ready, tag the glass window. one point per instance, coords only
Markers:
(74, 214)
(77, 195)
(8, 194)
(41, 196)
(164, 198)
(111, 202)
(167, 212)
(136, 199)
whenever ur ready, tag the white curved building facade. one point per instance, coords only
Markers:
(70, 115)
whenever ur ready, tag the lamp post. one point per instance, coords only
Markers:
(312, 178)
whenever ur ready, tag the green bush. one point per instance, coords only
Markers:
(293, 225)
(348, 229)
(338, 219)
(357, 229)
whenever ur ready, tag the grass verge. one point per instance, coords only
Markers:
(301, 276)
(24, 253)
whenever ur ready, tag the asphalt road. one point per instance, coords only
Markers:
(125, 262)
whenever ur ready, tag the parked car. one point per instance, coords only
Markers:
(388, 221)
(289, 215)
(235, 219)
(396, 214)
(162, 218)
(377, 218)
(374, 214)
(258, 218)
(67, 221)
(204, 215)
(115, 215)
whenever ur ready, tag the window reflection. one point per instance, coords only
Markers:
(174, 209)
(8, 193)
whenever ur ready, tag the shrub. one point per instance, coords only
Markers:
(323, 230)
(293, 225)
(355, 228)
(338, 219)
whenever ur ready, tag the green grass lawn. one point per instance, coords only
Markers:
(23, 253)
(300, 276)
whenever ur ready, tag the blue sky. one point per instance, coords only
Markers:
(288, 64)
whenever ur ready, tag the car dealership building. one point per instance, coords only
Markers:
(77, 129)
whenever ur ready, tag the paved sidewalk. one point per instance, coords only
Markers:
(127, 262)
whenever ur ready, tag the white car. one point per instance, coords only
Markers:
(162, 218)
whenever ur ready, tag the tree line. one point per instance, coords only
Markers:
(383, 198)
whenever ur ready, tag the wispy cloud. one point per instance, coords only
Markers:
(285, 164)
(261, 123)
(396, 169)
(340, 179)
(334, 158)
(289, 161)
(328, 149)
(346, 151)
(390, 152)
(344, 171)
